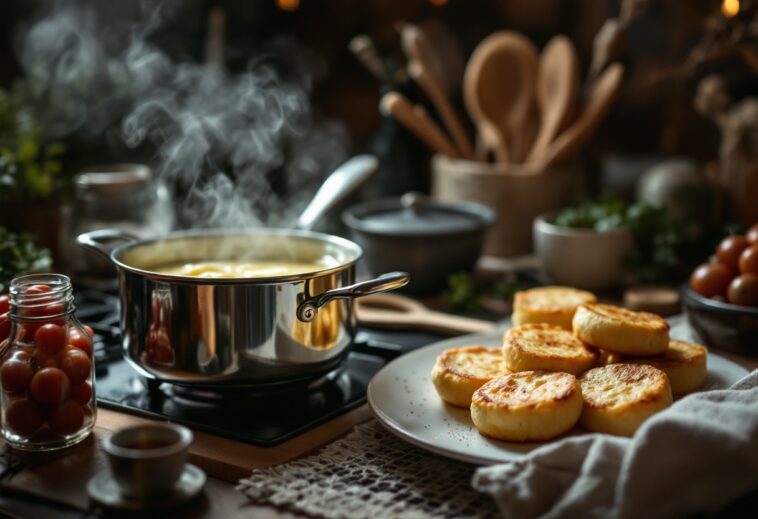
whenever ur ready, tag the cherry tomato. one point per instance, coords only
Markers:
(47, 310)
(76, 365)
(81, 393)
(38, 289)
(24, 417)
(15, 374)
(50, 338)
(80, 341)
(89, 330)
(50, 386)
(729, 250)
(5, 304)
(749, 260)
(5, 327)
(66, 418)
(743, 290)
(710, 279)
(752, 234)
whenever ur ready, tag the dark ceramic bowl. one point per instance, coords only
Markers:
(722, 325)
(428, 239)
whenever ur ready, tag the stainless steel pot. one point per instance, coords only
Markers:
(236, 331)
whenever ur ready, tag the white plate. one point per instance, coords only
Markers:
(403, 398)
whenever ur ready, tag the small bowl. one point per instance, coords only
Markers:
(722, 325)
(583, 258)
(428, 239)
(147, 460)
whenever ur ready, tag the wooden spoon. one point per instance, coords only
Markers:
(557, 92)
(498, 90)
(418, 122)
(598, 101)
(423, 67)
(399, 312)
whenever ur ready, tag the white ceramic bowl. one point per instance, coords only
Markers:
(582, 258)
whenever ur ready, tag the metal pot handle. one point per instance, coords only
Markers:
(96, 240)
(308, 309)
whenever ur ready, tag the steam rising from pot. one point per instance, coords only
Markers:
(228, 145)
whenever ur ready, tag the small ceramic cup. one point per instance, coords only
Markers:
(582, 258)
(147, 460)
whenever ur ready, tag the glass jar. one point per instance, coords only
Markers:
(122, 196)
(47, 371)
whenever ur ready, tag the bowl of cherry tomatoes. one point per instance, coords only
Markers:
(721, 299)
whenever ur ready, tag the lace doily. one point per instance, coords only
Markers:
(371, 473)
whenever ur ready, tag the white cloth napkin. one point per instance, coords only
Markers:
(696, 456)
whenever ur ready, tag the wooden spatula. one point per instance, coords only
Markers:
(557, 92)
(598, 101)
(400, 312)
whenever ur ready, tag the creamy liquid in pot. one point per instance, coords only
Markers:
(241, 269)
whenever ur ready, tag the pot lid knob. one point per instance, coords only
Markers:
(413, 201)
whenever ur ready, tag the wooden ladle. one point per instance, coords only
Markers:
(399, 312)
(598, 101)
(498, 90)
(557, 92)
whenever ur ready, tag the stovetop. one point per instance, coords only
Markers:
(264, 420)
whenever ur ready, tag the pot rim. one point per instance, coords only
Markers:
(353, 248)
(542, 224)
(483, 217)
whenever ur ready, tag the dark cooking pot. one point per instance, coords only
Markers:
(428, 239)
(236, 331)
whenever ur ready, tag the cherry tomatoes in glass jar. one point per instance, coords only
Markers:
(16, 373)
(24, 417)
(76, 365)
(80, 341)
(711, 279)
(81, 393)
(50, 338)
(49, 386)
(743, 290)
(66, 418)
(5, 305)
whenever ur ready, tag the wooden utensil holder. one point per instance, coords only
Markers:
(518, 193)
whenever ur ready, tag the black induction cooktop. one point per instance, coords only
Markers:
(264, 419)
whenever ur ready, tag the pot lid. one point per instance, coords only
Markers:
(416, 214)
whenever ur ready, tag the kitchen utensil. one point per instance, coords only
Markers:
(557, 91)
(430, 239)
(498, 90)
(583, 258)
(447, 53)
(425, 69)
(147, 460)
(403, 399)
(598, 101)
(341, 182)
(418, 122)
(399, 312)
(364, 49)
(722, 325)
(518, 193)
(265, 331)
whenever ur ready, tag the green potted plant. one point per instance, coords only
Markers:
(30, 170)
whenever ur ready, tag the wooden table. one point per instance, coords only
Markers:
(62, 477)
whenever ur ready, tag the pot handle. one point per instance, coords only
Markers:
(96, 240)
(308, 309)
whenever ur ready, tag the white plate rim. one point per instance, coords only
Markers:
(389, 423)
